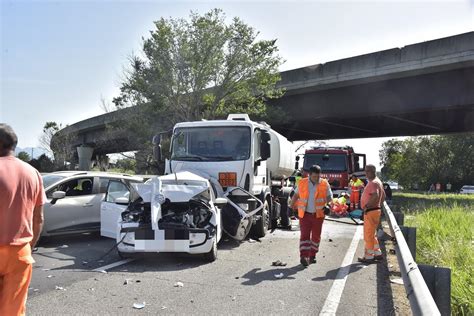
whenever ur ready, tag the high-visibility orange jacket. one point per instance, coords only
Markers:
(320, 196)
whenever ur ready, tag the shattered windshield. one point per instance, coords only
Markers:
(215, 143)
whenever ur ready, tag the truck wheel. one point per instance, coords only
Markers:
(211, 256)
(284, 214)
(260, 228)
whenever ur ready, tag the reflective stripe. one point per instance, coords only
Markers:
(370, 251)
(305, 248)
(315, 243)
(302, 242)
(321, 200)
(378, 253)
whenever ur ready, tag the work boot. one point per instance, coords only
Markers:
(312, 260)
(304, 261)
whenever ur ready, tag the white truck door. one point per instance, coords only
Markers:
(110, 211)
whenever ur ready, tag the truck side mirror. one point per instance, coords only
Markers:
(265, 146)
(157, 155)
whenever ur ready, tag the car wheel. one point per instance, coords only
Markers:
(260, 228)
(211, 256)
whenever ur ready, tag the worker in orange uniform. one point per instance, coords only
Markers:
(371, 203)
(21, 220)
(356, 186)
(310, 198)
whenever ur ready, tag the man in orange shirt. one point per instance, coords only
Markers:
(371, 203)
(21, 220)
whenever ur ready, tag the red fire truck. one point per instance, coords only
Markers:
(337, 165)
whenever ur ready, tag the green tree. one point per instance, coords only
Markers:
(60, 148)
(43, 164)
(198, 68)
(23, 155)
(421, 161)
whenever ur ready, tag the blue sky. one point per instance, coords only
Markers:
(60, 58)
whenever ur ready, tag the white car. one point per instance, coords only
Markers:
(467, 189)
(180, 212)
(74, 199)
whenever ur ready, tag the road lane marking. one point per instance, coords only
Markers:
(335, 293)
(113, 265)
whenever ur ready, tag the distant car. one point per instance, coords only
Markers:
(74, 199)
(467, 189)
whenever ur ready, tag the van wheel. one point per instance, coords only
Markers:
(211, 256)
(260, 228)
(284, 214)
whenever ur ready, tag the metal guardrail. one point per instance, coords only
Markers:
(421, 300)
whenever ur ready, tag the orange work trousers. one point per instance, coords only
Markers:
(16, 265)
(355, 197)
(371, 222)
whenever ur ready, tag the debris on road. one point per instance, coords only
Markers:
(139, 305)
(45, 269)
(35, 290)
(279, 263)
(279, 276)
(63, 246)
(237, 278)
(102, 271)
(60, 288)
(163, 307)
(397, 281)
(127, 281)
(91, 289)
(392, 251)
(50, 276)
(84, 262)
(137, 281)
(178, 284)
(330, 240)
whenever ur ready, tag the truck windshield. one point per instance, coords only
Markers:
(214, 143)
(327, 162)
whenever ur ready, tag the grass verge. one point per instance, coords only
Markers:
(445, 237)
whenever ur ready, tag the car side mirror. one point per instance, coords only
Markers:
(122, 201)
(57, 196)
(220, 202)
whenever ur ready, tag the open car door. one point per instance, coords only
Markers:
(116, 201)
(238, 213)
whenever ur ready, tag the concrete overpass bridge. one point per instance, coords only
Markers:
(420, 89)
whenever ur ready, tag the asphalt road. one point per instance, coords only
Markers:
(241, 281)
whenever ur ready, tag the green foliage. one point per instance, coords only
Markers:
(23, 155)
(445, 237)
(421, 161)
(127, 165)
(43, 164)
(59, 147)
(200, 68)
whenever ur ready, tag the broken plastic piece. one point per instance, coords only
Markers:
(50, 276)
(279, 263)
(139, 305)
(279, 276)
(397, 281)
(178, 284)
(102, 271)
(64, 246)
(60, 288)
(163, 307)
(35, 290)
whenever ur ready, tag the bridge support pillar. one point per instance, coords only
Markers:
(85, 154)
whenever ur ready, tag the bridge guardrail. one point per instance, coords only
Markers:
(418, 293)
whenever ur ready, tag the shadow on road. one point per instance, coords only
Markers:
(332, 274)
(255, 277)
(384, 290)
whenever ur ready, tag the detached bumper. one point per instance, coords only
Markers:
(137, 238)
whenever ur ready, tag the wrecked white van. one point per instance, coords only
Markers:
(180, 212)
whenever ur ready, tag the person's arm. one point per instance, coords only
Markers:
(329, 194)
(293, 200)
(38, 220)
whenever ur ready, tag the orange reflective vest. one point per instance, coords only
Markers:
(320, 196)
(356, 185)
